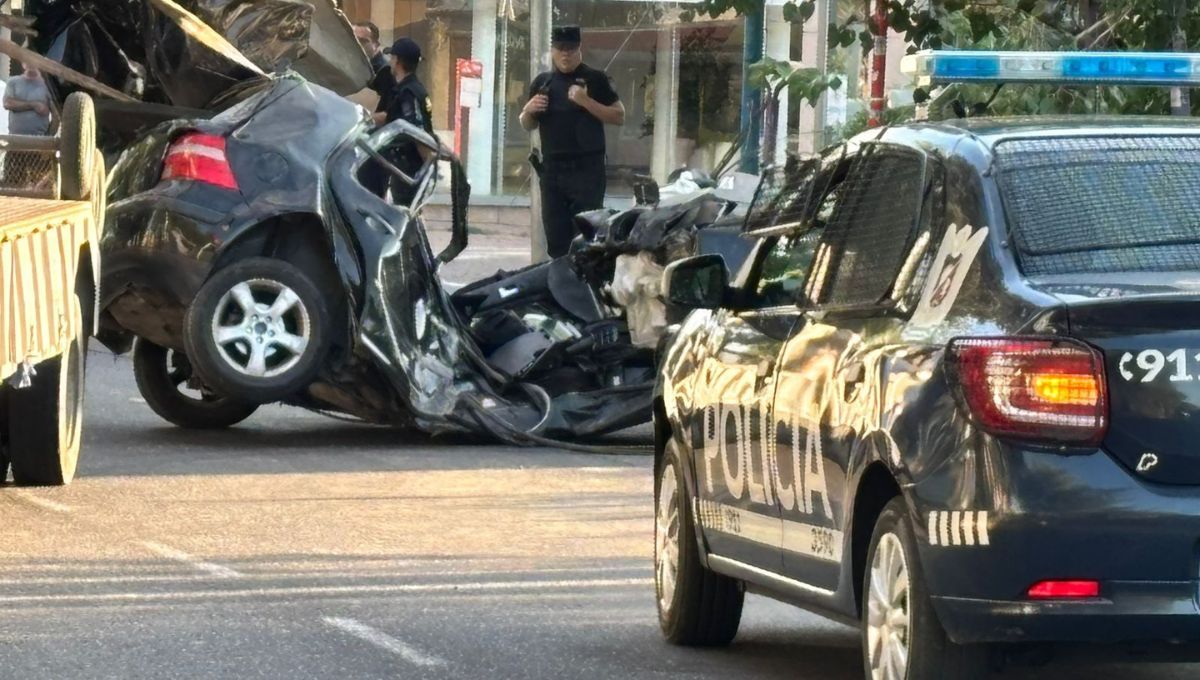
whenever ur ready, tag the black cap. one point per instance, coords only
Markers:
(566, 35)
(406, 48)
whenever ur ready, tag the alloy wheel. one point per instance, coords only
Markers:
(261, 328)
(666, 538)
(888, 612)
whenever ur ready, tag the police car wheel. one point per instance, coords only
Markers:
(696, 607)
(902, 637)
(259, 330)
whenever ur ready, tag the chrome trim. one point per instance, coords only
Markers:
(746, 572)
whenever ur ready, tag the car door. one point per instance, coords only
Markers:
(733, 429)
(737, 507)
(827, 373)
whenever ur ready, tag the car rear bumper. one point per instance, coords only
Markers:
(1062, 517)
(158, 251)
(1127, 612)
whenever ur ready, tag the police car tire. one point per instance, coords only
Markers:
(706, 609)
(162, 395)
(44, 450)
(77, 141)
(931, 653)
(206, 357)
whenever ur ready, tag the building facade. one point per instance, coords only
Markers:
(680, 78)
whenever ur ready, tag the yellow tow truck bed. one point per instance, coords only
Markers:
(40, 244)
(51, 211)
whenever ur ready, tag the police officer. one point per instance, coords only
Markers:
(571, 105)
(408, 101)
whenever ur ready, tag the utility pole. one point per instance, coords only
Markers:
(879, 64)
(752, 53)
(1181, 97)
(541, 14)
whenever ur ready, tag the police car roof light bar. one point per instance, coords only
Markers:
(1163, 69)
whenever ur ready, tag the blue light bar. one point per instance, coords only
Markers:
(1167, 69)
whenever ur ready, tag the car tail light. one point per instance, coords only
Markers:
(1064, 590)
(200, 158)
(1032, 388)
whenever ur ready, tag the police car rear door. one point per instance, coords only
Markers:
(829, 372)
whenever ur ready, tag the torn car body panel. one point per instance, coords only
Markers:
(181, 59)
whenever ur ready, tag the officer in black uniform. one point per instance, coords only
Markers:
(571, 105)
(408, 101)
(372, 175)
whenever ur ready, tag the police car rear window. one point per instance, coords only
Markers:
(1102, 204)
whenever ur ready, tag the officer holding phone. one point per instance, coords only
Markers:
(571, 105)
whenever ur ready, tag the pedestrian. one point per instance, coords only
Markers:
(27, 101)
(571, 104)
(372, 175)
(409, 101)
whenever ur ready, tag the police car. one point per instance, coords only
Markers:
(953, 396)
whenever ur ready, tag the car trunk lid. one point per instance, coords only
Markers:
(1149, 333)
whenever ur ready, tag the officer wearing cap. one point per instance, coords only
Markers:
(571, 105)
(408, 101)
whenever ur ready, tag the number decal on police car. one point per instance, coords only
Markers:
(1151, 363)
(955, 257)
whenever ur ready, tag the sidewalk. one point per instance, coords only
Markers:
(507, 216)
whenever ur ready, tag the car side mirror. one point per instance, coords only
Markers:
(699, 282)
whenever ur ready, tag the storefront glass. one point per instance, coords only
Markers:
(630, 39)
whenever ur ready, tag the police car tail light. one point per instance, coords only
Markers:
(199, 158)
(937, 67)
(1050, 390)
(1064, 590)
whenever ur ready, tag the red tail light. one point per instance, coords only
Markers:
(199, 158)
(1064, 590)
(1038, 389)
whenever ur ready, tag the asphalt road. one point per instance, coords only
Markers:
(299, 547)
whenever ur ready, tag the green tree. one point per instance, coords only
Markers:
(1125, 25)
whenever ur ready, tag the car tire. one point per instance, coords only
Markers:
(3, 438)
(241, 344)
(696, 607)
(160, 375)
(902, 638)
(77, 139)
(44, 448)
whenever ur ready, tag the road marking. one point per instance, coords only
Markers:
(44, 503)
(302, 576)
(180, 556)
(398, 589)
(384, 641)
(136, 400)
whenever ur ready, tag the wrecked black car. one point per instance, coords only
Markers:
(253, 267)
